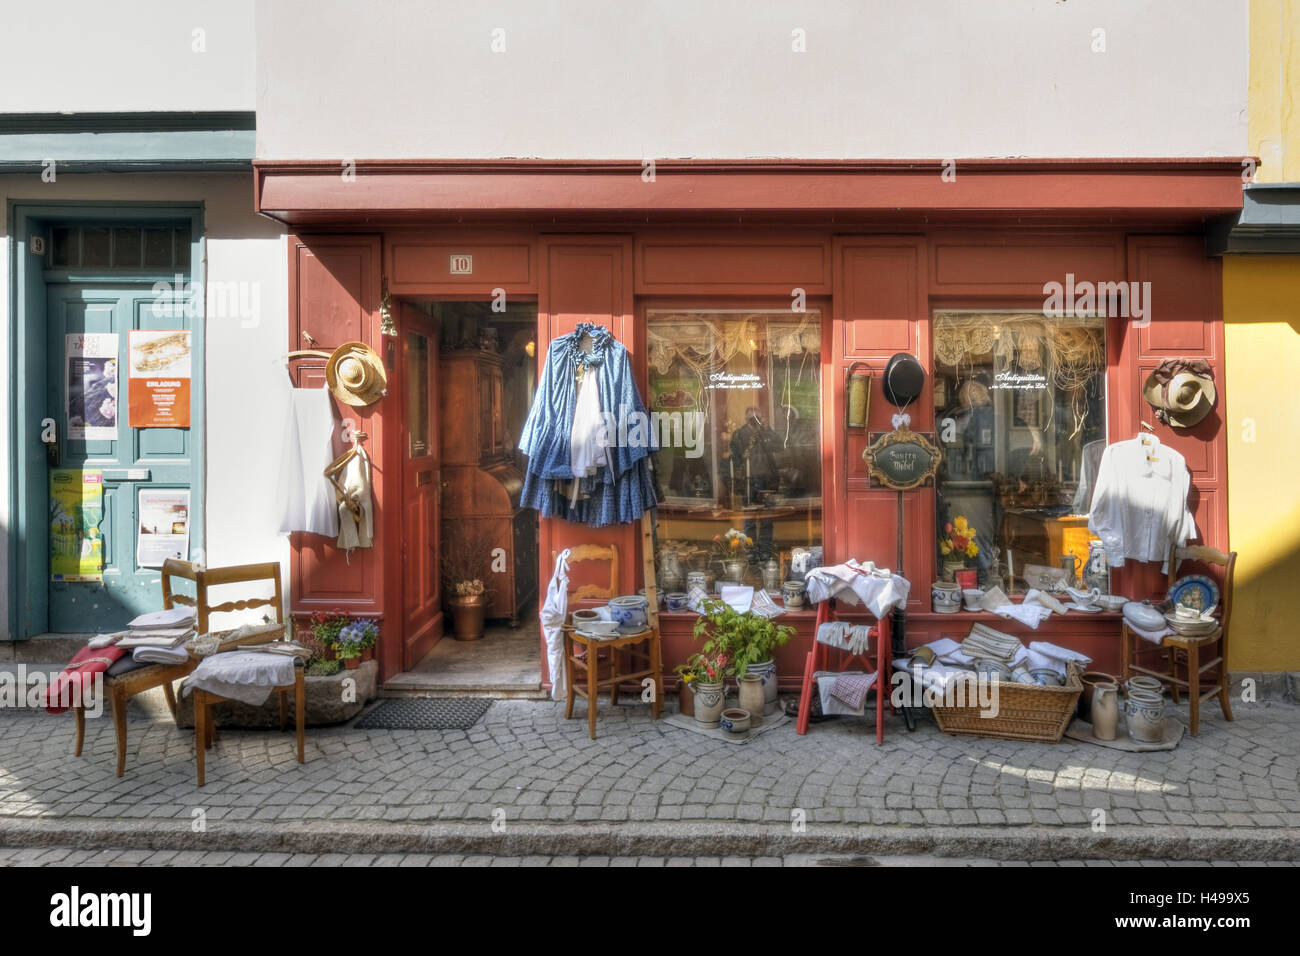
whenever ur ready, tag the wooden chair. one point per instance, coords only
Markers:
(587, 664)
(1189, 654)
(120, 689)
(205, 729)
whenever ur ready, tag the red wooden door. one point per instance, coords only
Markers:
(421, 482)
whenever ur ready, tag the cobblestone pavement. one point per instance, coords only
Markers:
(69, 856)
(523, 764)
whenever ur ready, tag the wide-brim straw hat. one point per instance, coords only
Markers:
(1187, 399)
(355, 374)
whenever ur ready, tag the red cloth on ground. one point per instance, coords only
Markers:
(73, 682)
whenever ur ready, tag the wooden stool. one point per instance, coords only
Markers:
(650, 659)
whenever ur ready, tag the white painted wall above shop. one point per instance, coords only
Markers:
(581, 79)
(87, 56)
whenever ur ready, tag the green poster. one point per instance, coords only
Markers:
(76, 512)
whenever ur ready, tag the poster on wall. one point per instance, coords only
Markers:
(92, 386)
(164, 527)
(159, 379)
(76, 512)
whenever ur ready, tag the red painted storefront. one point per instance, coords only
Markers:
(876, 246)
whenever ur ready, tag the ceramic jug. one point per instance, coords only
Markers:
(1105, 710)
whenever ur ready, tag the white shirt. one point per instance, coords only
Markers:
(1139, 506)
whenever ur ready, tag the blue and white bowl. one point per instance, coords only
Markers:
(629, 611)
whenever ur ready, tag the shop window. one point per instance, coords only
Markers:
(1020, 412)
(735, 403)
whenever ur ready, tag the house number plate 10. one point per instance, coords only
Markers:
(462, 265)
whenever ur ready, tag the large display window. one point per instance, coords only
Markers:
(735, 396)
(1020, 412)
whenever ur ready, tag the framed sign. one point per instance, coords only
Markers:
(902, 459)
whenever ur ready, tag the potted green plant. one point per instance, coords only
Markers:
(348, 645)
(369, 636)
(325, 628)
(749, 641)
(705, 673)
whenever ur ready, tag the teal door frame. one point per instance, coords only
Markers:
(29, 561)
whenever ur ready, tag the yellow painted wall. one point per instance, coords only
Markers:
(1274, 122)
(1261, 307)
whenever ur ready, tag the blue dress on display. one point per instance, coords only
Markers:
(621, 489)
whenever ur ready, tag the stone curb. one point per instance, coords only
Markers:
(685, 839)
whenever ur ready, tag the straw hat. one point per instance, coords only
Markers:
(1183, 398)
(355, 374)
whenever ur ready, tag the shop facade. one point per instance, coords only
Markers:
(757, 287)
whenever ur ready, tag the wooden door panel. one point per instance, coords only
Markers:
(421, 487)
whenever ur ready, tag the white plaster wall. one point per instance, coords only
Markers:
(246, 388)
(126, 56)
(590, 79)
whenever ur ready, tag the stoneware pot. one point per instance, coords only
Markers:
(709, 701)
(750, 697)
(792, 594)
(1143, 682)
(467, 615)
(697, 579)
(676, 601)
(1105, 710)
(629, 611)
(1091, 679)
(736, 720)
(945, 597)
(767, 671)
(1145, 713)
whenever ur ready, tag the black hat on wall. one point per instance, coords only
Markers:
(903, 380)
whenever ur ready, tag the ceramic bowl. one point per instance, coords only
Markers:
(992, 671)
(584, 616)
(1142, 615)
(1046, 676)
(734, 720)
(676, 601)
(598, 629)
(1112, 602)
(972, 597)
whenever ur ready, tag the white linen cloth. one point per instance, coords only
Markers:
(553, 614)
(356, 510)
(695, 599)
(169, 617)
(1139, 507)
(306, 500)
(937, 677)
(588, 439)
(878, 588)
(161, 655)
(949, 651)
(1155, 637)
(1043, 654)
(832, 705)
(1029, 613)
(738, 596)
(764, 606)
(245, 676)
(103, 640)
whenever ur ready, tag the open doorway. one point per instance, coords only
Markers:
(469, 383)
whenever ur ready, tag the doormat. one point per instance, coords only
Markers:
(1082, 730)
(770, 722)
(424, 713)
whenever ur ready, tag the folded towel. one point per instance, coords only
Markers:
(1027, 613)
(103, 640)
(985, 643)
(1045, 599)
(851, 689)
(994, 598)
(161, 655)
(831, 705)
(1155, 637)
(168, 618)
(764, 606)
(171, 637)
(949, 651)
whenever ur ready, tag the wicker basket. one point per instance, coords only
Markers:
(1025, 711)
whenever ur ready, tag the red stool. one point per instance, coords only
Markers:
(819, 659)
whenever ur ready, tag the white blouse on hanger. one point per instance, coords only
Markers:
(1139, 506)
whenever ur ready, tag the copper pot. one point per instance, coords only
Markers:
(468, 613)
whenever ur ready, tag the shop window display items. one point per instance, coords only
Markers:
(1020, 413)
(738, 395)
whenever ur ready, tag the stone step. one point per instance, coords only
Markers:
(43, 647)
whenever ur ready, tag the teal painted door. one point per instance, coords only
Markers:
(88, 329)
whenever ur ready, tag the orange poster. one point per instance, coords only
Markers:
(159, 382)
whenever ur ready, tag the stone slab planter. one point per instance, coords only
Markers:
(325, 703)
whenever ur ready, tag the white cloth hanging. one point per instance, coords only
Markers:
(355, 507)
(554, 612)
(1139, 507)
(306, 500)
(587, 441)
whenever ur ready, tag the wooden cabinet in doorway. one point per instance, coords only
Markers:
(482, 487)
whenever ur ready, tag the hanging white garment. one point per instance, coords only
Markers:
(587, 441)
(306, 500)
(1139, 507)
(554, 612)
(356, 510)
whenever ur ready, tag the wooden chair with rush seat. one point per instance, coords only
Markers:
(1186, 654)
(585, 665)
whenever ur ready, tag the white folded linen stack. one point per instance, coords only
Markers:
(984, 643)
(1043, 654)
(878, 588)
(161, 655)
(159, 637)
(949, 651)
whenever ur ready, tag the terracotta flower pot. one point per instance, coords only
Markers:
(368, 654)
(468, 614)
(351, 663)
